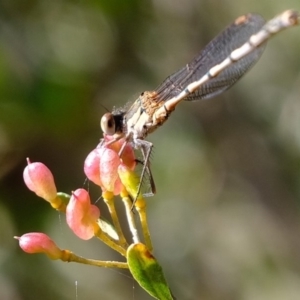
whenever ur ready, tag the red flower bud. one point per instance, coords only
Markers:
(39, 179)
(37, 242)
(81, 215)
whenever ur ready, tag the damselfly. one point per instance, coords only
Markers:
(217, 67)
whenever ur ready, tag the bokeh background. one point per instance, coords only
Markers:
(225, 222)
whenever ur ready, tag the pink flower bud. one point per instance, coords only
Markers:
(109, 163)
(101, 165)
(92, 166)
(39, 179)
(127, 156)
(81, 214)
(37, 242)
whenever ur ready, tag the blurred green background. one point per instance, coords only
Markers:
(225, 222)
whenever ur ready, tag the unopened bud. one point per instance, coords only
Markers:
(81, 215)
(37, 242)
(39, 179)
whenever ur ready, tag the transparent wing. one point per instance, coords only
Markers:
(233, 37)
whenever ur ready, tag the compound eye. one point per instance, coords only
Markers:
(107, 124)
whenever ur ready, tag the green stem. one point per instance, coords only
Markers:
(108, 241)
(140, 206)
(112, 210)
(130, 218)
(69, 256)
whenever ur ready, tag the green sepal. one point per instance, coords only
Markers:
(147, 272)
(61, 201)
(65, 198)
(108, 228)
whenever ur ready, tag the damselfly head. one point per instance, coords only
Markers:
(112, 123)
(108, 125)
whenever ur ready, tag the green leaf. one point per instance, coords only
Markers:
(147, 272)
